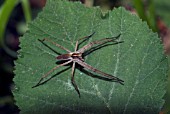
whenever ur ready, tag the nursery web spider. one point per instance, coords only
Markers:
(76, 57)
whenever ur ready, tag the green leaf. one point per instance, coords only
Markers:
(138, 61)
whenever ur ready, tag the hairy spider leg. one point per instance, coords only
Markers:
(101, 41)
(45, 75)
(77, 42)
(87, 66)
(73, 67)
(46, 39)
(72, 79)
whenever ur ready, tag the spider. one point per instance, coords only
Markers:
(76, 58)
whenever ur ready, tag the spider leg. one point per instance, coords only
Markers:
(72, 79)
(101, 41)
(46, 39)
(45, 75)
(87, 66)
(77, 42)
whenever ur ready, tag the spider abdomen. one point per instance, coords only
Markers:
(64, 56)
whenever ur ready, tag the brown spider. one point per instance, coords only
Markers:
(76, 57)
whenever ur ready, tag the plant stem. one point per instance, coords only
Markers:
(26, 10)
(5, 13)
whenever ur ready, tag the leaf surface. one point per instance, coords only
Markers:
(137, 61)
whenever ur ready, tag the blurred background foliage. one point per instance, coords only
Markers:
(16, 14)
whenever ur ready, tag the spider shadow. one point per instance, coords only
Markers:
(49, 47)
(92, 50)
(58, 73)
(87, 38)
(97, 76)
(99, 47)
